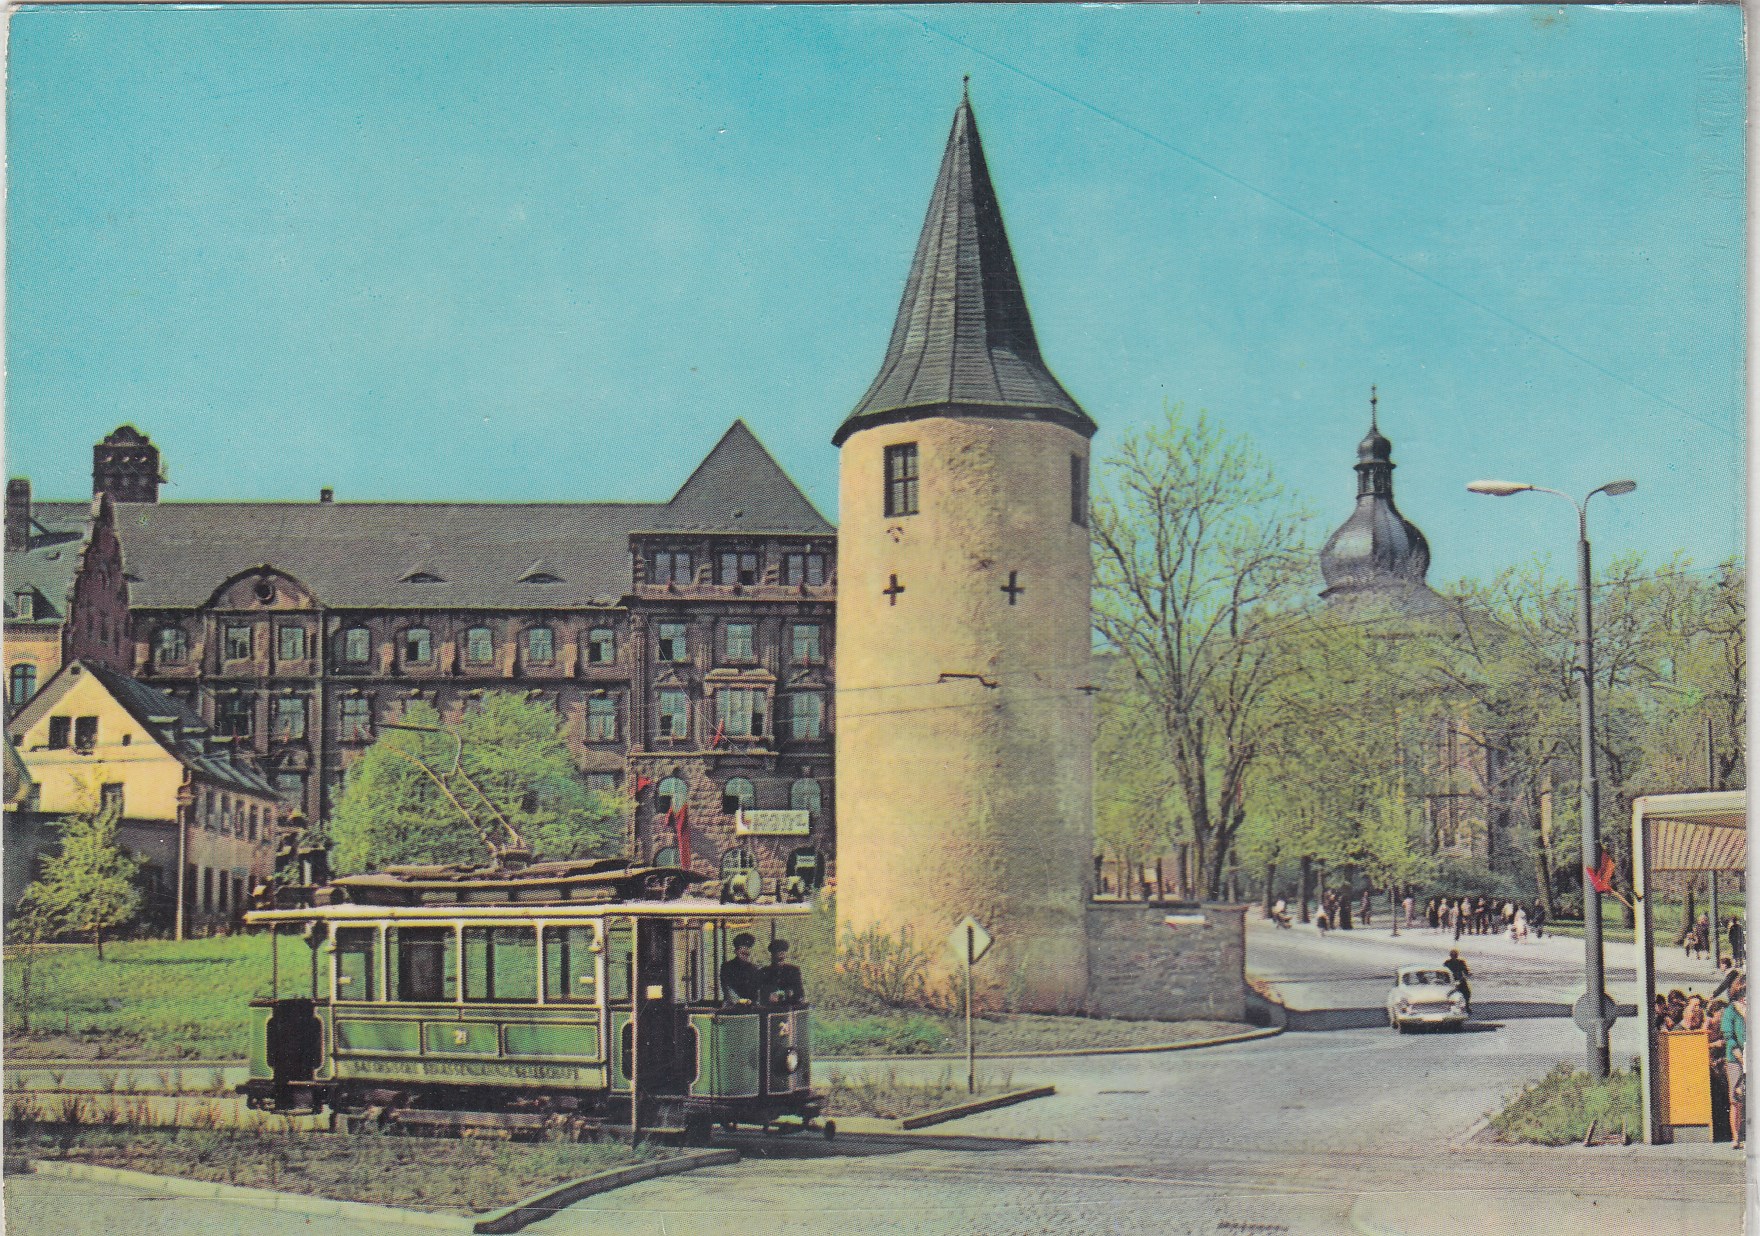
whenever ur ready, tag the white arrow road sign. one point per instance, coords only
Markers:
(978, 941)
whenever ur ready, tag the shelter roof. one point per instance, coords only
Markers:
(1705, 831)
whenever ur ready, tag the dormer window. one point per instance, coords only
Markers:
(739, 567)
(421, 575)
(237, 637)
(24, 605)
(290, 643)
(670, 566)
(173, 646)
(537, 573)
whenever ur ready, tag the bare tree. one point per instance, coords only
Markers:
(1199, 567)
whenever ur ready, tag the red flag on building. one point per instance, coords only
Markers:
(720, 730)
(1601, 878)
(682, 833)
(643, 783)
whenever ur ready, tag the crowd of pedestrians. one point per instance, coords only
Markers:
(1486, 916)
(1726, 1024)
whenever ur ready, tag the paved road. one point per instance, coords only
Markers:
(1342, 1127)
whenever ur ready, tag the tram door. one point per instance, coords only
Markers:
(664, 1061)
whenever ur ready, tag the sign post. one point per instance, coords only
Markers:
(970, 941)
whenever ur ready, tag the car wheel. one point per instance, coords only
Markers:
(1402, 1027)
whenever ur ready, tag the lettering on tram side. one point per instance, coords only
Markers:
(470, 1068)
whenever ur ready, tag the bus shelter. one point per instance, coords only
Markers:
(1698, 832)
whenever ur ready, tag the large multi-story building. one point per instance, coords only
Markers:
(687, 645)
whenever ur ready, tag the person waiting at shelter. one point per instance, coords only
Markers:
(741, 979)
(780, 982)
(1735, 1059)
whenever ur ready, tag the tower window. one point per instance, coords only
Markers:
(901, 479)
(1078, 490)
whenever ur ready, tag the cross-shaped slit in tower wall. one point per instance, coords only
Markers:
(891, 591)
(1013, 589)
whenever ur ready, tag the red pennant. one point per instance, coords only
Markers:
(1601, 878)
(643, 783)
(720, 730)
(683, 836)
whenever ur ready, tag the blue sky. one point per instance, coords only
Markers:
(550, 254)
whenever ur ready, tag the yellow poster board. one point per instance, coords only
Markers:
(1685, 1056)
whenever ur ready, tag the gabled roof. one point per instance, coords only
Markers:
(47, 567)
(173, 726)
(447, 555)
(963, 343)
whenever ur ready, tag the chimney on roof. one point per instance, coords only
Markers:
(18, 514)
(326, 494)
(125, 465)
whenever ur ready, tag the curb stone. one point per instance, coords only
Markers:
(542, 1205)
(943, 1114)
(1186, 1045)
(266, 1199)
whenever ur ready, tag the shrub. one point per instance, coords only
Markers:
(1559, 1108)
(887, 970)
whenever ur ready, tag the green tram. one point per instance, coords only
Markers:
(556, 999)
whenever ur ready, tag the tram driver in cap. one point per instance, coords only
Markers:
(740, 976)
(780, 981)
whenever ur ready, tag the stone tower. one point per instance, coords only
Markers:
(964, 728)
(125, 465)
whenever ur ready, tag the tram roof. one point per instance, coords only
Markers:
(531, 912)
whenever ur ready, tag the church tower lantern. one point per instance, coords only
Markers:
(965, 728)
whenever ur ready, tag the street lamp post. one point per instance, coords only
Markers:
(1599, 1061)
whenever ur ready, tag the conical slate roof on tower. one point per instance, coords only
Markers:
(963, 344)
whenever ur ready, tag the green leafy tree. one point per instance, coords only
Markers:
(89, 886)
(512, 749)
(1199, 565)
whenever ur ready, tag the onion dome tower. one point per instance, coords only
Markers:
(1378, 559)
(964, 730)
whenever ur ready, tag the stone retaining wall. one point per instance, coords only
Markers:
(1141, 965)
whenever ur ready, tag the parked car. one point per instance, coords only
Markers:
(1425, 996)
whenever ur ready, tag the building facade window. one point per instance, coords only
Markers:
(804, 795)
(673, 644)
(85, 733)
(357, 718)
(601, 646)
(60, 731)
(1078, 490)
(237, 641)
(418, 646)
(739, 712)
(250, 822)
(110, 798)
(901, 479)
(675, 718)
(357, 646)
(290, 717)
(601, 719)
(292, 787)
(738, 567)
(173, 646)
(234, 715)
(803, 568)
(807, 649)
(540, 646)
(21, 683)
(479, 646)
(290, 643)
(806, 716)
(672, 794)
(739, 641)
(738, 795)
(670, 566)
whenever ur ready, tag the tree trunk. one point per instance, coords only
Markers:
(1306, 882)
(1270, 885)
(98, 939)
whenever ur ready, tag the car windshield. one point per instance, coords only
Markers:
(1426, 978)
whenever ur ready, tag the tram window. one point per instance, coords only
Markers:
(569, 964)
(617, 963)
(501, 963)
(357, 962)
(423, 966)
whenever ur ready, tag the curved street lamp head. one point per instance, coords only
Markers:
(1499, 489)
(1614, 489)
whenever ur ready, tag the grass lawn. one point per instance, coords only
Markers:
(147, 1000)
(1558, 1109)
(442, 1174)
(910, 1034)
